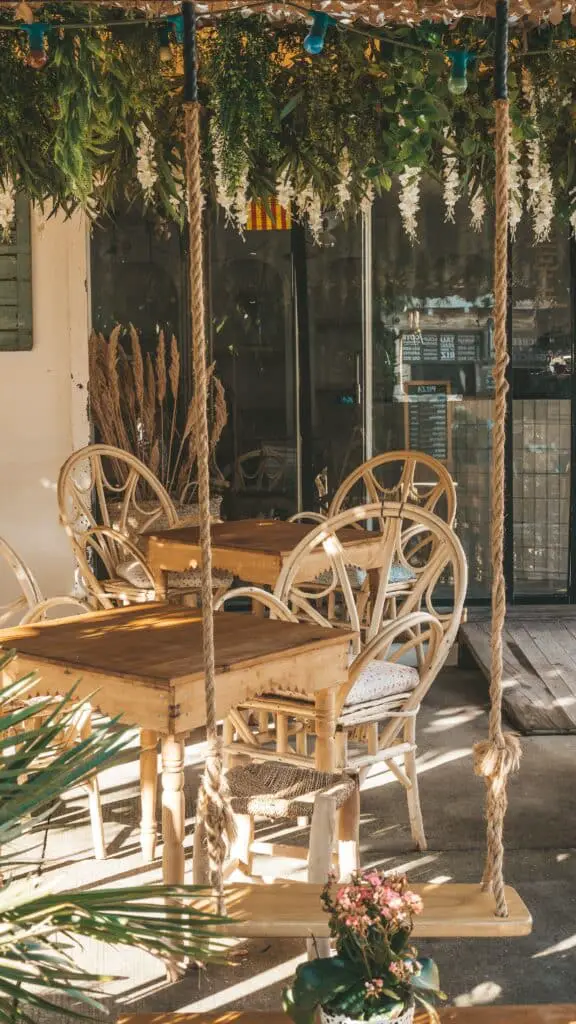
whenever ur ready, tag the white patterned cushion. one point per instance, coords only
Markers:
(133, 573)
(382, 679)
(357, 576)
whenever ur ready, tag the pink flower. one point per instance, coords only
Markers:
(414, 902)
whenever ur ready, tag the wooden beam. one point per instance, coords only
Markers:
(542, 1014)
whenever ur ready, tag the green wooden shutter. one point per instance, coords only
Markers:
(16, 283)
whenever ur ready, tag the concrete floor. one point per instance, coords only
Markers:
(540, 863)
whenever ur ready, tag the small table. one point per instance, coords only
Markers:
(145, 664)
(253, 549)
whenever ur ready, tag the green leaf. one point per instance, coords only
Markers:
(428, 979)
(291, 105)
(317, 982)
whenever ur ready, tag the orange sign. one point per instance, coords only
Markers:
(268, 216)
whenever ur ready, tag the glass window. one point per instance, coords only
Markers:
(433, 354)
(16, 283)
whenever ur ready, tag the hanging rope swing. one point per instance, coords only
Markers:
(499, 755)
(213, 808)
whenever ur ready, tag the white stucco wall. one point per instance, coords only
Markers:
(43, 402)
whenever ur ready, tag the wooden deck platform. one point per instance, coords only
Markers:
(539, 664)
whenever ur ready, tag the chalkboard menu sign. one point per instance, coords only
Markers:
(427, 417)
(438, 347)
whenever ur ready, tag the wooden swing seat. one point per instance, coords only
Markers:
(294, 910)
(564, 1013)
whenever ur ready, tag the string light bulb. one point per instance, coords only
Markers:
(173, 25)
(458, 81)
(314, 41)
(36, 57)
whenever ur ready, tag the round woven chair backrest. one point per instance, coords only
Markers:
(106, 556)
(30, 594)
(276, 608)
(317, 569)
(60, 606)
(104, 486)
(403, 476)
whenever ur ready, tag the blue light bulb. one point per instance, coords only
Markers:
(458, 81)
(314, 41)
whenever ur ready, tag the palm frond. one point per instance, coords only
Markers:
(38, 974)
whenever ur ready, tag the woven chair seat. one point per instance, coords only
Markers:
(275, 790)
(382, 679)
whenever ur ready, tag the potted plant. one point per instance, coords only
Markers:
(376, 974)
(135, 400)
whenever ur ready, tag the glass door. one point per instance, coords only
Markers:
(541, 390)
(335, 296)
(252, 336)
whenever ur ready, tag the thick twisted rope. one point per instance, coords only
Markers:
(213, 799)
(499, 755)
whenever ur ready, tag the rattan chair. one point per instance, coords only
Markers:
(403, 476)
(378, 706)
(12, 611)
(106, 488)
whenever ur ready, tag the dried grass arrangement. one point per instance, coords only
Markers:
(134, 406)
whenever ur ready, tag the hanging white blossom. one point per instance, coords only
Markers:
(7, 207)
(241, 202)
(146, 167)
(514, 187)
(409, 202)
(343, 187)
(540, 191)
(308, 204)
(367, 200)
(224, 196)
(539, 180)
(477, 204)
(284, 190)
(451, 178)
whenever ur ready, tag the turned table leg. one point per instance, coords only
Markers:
(173, 816)
(325, 716)
(148, 788)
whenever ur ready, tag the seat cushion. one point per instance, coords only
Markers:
(133, 572)
(276, 790)
(382, 679)
(357, 576)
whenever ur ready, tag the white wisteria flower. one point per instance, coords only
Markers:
(225, 197)
(367, 201)
(540, 191)
(343, 194)
(477, 203)
(308, 204)
(409, 202)
(146, 167)
(514, 187)
(7, 207)
(284, 190)
(451, 178)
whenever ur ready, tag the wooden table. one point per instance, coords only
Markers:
(145, 664)
(253, 549)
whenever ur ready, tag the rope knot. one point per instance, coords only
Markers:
(495, 760)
